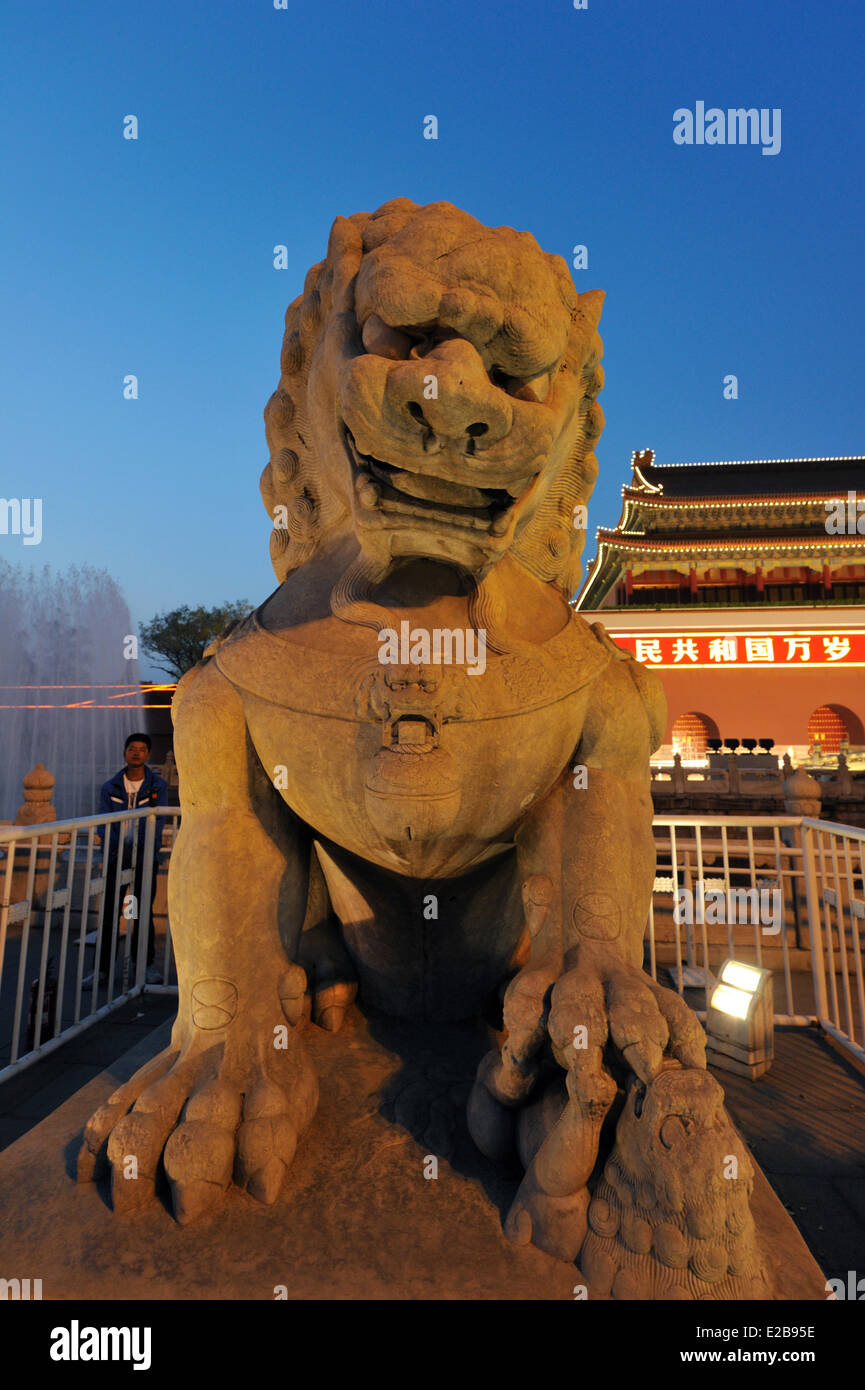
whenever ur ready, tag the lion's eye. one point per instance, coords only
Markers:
(425, 339)
(384, 341)
(533, 389)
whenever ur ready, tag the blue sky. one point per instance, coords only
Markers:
(258, 126)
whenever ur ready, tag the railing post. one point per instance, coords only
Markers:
(144, 904)
(815, 928)
(6, 898)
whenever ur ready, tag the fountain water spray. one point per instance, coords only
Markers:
(69, 695)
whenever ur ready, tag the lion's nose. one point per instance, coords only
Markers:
(449, 395)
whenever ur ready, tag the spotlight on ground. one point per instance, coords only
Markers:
(740, 1020)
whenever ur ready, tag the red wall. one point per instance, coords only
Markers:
(762, 704)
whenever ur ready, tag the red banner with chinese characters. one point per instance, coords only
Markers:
(715, 650)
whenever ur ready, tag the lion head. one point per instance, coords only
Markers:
(437, 399)
(670, 1217)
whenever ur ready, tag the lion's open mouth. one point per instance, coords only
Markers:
(387, 488)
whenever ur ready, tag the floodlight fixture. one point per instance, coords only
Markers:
(740, 1020)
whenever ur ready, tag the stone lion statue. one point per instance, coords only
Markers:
(671, 1216)
(415, 772)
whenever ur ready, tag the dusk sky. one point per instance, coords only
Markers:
(258, 125)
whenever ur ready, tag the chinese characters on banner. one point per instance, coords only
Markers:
(708, 649)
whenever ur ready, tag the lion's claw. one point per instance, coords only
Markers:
(596, 1001)
(204, 1117)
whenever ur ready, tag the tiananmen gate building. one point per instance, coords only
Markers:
(743, 584)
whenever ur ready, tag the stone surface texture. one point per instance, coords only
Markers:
(356, 1217)
(444, 839)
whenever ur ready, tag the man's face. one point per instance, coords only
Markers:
(136, 754)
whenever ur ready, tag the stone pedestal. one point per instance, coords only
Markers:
(357, 1218)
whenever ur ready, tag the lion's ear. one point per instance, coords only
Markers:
(344, 255)
(591, 303)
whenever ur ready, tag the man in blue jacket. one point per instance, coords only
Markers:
(136, 784)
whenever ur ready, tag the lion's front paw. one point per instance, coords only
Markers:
(601, 1007)
(203, 1115)
(599, 1001)
(603, 999)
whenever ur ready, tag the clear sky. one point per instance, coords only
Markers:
(258, 126)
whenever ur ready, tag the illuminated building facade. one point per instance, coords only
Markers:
(721, 576)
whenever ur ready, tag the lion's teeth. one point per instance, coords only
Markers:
(500, 524)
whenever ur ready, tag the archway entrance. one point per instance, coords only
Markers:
(690, 733)
(829, 724)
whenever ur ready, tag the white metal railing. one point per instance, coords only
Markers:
(835, 875)
(815, 944)
(53, 910)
